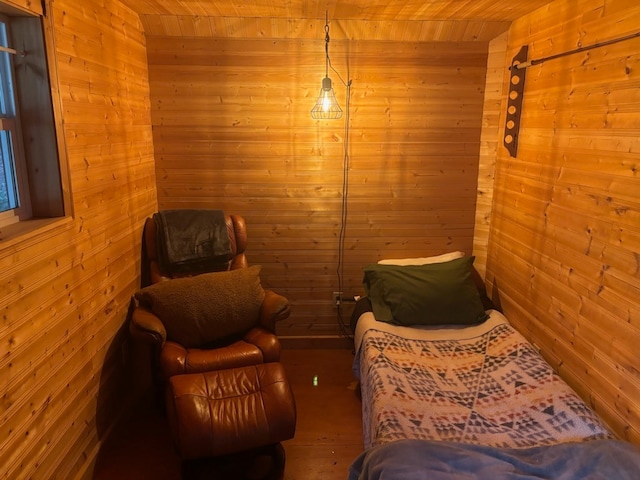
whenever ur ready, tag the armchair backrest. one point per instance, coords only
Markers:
(236, 228)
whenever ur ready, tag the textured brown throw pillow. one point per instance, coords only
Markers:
(202, 309)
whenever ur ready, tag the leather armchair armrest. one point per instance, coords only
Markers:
(274, 308)
(147, 327)
(266, 341)
(173, 360)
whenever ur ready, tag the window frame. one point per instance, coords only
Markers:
(47, 203)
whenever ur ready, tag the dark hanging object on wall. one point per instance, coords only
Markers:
(514, 102)
(518, 67)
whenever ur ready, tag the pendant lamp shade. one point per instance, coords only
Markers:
(326, 106)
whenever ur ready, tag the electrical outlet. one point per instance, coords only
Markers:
(337, 298)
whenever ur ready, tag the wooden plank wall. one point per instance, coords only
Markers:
(64, 294)
(564, 248)
(232, 130)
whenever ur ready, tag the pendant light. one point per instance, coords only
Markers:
(326, 106)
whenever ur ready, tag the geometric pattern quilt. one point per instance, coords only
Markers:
(493, 389)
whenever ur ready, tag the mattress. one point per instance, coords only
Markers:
(480, 385)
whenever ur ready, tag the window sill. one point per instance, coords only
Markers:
(32, 231)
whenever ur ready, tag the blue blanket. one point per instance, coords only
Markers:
(435, 460)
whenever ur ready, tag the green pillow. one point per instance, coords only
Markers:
(433, 294)
(200, 310)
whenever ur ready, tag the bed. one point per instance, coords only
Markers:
(451, 390)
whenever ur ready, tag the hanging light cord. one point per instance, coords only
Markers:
(327, 38)
(328, 59)
(343, 219)
(326, 49)
(345, 182)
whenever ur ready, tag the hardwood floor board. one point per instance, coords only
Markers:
(329, 427)
(329, 412)
(319, 462)
(328, 430)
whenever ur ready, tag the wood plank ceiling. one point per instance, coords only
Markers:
(393, 20)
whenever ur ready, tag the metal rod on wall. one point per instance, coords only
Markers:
(530, 63)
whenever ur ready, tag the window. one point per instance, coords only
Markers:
(8, 188)
(30, 169)
(9, 196)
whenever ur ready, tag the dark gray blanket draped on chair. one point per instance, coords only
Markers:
(192, 240)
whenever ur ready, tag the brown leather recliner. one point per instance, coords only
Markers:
(257, 345)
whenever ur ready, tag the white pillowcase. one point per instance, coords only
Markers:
(445, 257)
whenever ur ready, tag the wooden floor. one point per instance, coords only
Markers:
(328, 431)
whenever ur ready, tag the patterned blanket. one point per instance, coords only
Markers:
(487, 387)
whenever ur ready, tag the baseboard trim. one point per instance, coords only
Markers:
(316, 342)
